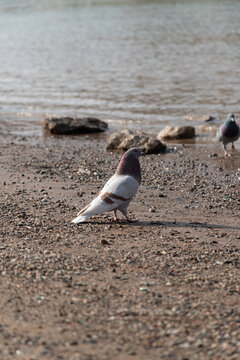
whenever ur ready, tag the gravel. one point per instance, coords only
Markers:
(165, 287)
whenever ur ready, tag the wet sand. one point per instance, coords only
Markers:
(166, 287)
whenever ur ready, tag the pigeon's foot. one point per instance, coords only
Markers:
(233, 147)
(227, 154)
(115, 216)
(125, 220)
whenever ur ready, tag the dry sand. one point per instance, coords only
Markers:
(167, 287)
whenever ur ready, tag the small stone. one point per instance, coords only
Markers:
(132, 352)
(105, 242)
(144, 289)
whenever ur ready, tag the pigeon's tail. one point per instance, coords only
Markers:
(80, 218)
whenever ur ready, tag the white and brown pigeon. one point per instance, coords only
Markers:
(228, 132)
(119, 189)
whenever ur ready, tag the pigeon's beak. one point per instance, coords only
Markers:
(143, 153)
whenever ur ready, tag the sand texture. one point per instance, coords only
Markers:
(166, 287)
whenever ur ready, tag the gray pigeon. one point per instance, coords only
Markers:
(228, 132)
(118, 191)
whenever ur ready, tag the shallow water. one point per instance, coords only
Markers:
(135, 63)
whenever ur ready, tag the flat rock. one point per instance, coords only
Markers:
(126, 139)
(69, 125)
(202, 118)
(174, 133)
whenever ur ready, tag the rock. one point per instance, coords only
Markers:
(154, 146)
(203, 118)
(116, 138)
(173, 133)
(126, 139)
(69, 125)
(208, 129)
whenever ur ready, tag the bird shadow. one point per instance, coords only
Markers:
(183, 224)
(170, 224)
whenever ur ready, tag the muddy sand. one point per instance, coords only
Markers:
(166, 287)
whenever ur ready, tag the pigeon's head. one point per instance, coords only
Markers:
(135, 152)
(129, 163)
(230, 118)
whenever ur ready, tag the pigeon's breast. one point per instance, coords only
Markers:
(231, 131)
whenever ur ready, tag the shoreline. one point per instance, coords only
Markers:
(205, 131)
(165, 287)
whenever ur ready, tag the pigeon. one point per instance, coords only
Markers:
(119, 189)
(228, 132)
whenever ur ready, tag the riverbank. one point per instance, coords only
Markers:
(166, 287)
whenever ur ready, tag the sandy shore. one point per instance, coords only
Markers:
(167, 287)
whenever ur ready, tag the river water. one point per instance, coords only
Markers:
(136, 63)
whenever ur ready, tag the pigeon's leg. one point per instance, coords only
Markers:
(124, 212)
(233, 147)
(225, 151)
(115, 215)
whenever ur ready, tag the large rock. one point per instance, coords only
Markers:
(116, 138)
(175, 133)
(201, 118)
(69, 125)
(126, 139)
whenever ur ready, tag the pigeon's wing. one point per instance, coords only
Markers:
(122, 185)
(219, 133)
(119, 190)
